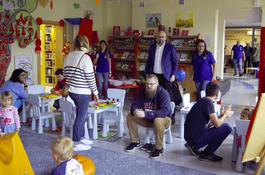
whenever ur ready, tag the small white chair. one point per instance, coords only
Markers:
(116, 94)
(37, 89)
(68, 116)
(167, 131)
(67, 122)
(35, 101)
(241, 130)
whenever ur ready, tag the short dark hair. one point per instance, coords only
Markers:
(59, 71)
(212, 88)
(149, 76)
(14, 77)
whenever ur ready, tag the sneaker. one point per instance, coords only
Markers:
(86, 142)
(145, 147)
(151, 148)
(132, 146)
(235, 74)
(192, 150)
(81, 147)
(240, 75)
(204, 156)
(157, 153)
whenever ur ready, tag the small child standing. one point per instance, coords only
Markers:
(57, 89)
(245, 115)
(62, 153)
(9, 119)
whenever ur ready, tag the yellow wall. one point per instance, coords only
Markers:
(209, 19)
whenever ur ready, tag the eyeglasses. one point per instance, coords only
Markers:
(201, 46)
(150, 84)
(23, 75)
(161, 36)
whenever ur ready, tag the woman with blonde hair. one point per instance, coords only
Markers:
(78, 70)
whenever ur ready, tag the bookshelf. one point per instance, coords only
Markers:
(133, 66)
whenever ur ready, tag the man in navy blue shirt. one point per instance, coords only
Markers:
(236, 54)
(195, 132)
(150, 109)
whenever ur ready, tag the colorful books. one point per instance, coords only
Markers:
(178, 43)
(141, 67)
(142, 55)
(183, 57)
(125, 55)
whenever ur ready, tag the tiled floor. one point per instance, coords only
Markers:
(242, 93)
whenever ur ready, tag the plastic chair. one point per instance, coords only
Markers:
(69, 114)
(117, 95)
(241, 130)
(35, 101)
(37, 89)
(167, 131)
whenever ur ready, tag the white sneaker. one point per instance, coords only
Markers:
(86, 142)
(81, 147)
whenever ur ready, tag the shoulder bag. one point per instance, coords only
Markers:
(65, 89)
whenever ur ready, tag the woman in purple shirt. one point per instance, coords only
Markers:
(103, 70)
(202, 67)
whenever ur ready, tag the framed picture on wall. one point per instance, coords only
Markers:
(184, 20)
(153, 20)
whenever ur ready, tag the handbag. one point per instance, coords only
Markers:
(65, 89)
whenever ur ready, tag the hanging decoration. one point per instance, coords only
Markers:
(43, 3)
(51, 4)
(39, 21)
(165, 1)
(97, 2)
(66, 48)
(76, 6)
(62, 23)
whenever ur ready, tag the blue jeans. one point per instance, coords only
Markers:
(213, 137)
(201, 86)
(105, 77)
(18, 103)
(239, 63)
(81, 102)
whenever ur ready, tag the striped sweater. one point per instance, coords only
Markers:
(83, 81)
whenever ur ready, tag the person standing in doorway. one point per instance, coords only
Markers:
(248, 52)
(103, 70)
(236, 54)
(162, 61)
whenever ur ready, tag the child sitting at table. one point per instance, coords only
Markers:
(9, 119)
(62, 153)
(58, 88)
(245, 115)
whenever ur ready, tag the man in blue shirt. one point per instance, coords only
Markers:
(236, 54)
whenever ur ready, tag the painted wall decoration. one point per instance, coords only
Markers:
(153, 20)
(16, 23)
(184, 20)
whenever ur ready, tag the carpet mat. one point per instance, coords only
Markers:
(107, 162)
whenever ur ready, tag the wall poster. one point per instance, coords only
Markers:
(25, 62)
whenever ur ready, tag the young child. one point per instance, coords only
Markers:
(57, 89)
(62, 153)
(9, 119)
(245, 115)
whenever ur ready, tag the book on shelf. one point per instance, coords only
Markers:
(178, 54)
(125, 55)
(185, 32)
(141, 67)
(136, 32)
(146, 56)
(118, 65)
(119, 55)
(142, 55)
(178, 43)
(183, 57)
(115, 55)
(125, 66)
(175, 31)
(151, 32)
(116, 31)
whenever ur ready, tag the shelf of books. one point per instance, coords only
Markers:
(185, 47)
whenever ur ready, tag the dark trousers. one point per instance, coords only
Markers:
(81, 102)
(168, 86)
(212, 137)
(247, 63)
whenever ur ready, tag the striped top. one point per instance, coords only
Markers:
(83, 81)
